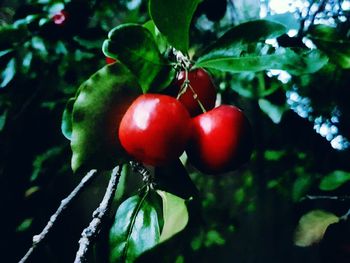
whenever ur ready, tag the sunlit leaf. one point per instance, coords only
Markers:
(5, 52)
(312, 227)
(275, 112)
(175, 215)
(236, 40)
(66, 124)
(8, 73)
(100, 104)
(158, 37)
(332, 43)
(242, 49)
(334, 180)
(39, 45)
(297, 63)
(135, 47)
(135, 229)
(173, 19)
(26, 62)
(25, 225)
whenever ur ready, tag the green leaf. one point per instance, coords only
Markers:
(275, 112)
(5, 52)
(174, 179)
(25, 225)
(273, 155)
(99, 105)
(11, 35)
(158, 37)
(44, 160)
(334, 180)
(296, 63)
(39, 45)
(332, 43)
(135, 229)
(26, 62)
(3, 118)
(312, 227)
(66, 124)
(175, 215)
(173, 19)
(301, 186)
(135, 47)
(8, 74)
(236, 40)
(242, 49)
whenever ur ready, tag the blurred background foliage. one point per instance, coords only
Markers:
(300, 123)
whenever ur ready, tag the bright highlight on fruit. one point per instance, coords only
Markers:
(155, 129)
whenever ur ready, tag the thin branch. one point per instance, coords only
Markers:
(321, 7)
(89, 234)
(37, 239)
(346, 216)
(327, 197)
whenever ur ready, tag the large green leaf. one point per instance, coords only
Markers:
(100, 104)
(236, 40)
(135, 229)
(332, 43)
(66, 124)
(135, 47)
(159, 38)
(334, 180)
(242, 49)
(296, 62)
(175, 215)
(173, 19)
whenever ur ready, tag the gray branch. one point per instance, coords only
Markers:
(327, 197)
(89, 234)
(37, 239)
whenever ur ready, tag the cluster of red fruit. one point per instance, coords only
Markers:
(156, 128)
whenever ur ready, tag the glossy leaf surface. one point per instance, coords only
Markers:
(175, 215)
(135, 229)
(135, 47)
(173, 19)
(98, 108)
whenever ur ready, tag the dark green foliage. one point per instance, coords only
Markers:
(99, 106)
(54, 80)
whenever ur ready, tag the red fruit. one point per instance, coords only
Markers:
(60, 17)
(202, 85)
(110, 60)
(221, 140)
(155, 129)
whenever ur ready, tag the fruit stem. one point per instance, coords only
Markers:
(184, 87)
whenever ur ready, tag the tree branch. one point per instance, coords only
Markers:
(321, 7)
(37, 239)
(320, 197)
(89, 234)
